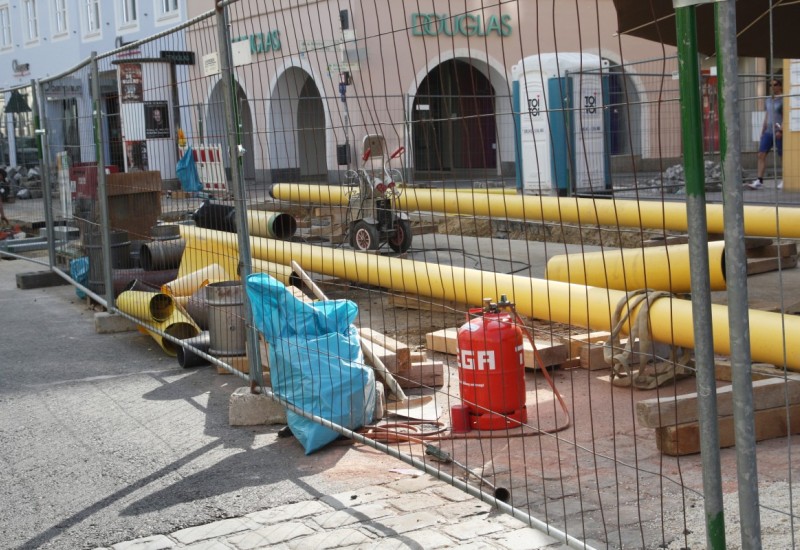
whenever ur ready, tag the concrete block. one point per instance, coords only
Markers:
(39, 279)
(109, 323)
(251, 409)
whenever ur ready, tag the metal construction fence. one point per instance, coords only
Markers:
(460, 250)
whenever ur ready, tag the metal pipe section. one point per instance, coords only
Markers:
(764, 221)
(655, 267)
(736, 267)
(590, 307)
(689, 86)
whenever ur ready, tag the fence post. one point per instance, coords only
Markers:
(44, 166)
(736, 270)
(689, 84)
(102, 195)
(237, 186)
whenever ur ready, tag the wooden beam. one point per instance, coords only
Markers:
(669, 411)
(684, 439)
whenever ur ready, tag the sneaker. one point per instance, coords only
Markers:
(756, 184)
(780, 184)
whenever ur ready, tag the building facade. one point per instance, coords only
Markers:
(45, 38)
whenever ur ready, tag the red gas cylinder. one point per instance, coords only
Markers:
(491, 370)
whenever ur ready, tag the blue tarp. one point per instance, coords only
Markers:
(186, 171)
(315, 359)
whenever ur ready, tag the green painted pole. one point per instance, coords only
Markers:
(694, 170)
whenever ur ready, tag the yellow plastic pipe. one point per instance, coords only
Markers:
(146, 306)
(655, 267)
(186, 285)
(592, 307)
(176, 325)
(766, 221)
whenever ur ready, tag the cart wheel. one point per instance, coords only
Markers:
(365, 236)
(400, 241)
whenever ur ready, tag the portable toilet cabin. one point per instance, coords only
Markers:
(561, 124)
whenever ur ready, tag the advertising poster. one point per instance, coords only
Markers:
(136, 156)
(130, 79)
(156, 119)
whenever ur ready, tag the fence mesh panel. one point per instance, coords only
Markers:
(450, 211)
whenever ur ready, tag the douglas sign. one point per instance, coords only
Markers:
(463, 24)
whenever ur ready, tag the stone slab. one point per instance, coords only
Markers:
(110, 323)
(251, 409)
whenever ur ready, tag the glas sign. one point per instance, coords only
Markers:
(262, 42)
(463, 24)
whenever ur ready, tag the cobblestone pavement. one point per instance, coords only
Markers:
(418, 512)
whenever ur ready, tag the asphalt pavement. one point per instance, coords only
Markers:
(106, 442)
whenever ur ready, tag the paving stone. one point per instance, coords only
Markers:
(524, 539)
(451, 493)
(404, 524)
(338, 518)
(359, 496)
(428, 539)
(472, 528)
(270, 536)
(154, 542)
(212, 544)
(340, 538)
(217, 529)
(289, 512)
(412, 501)
(464, 509)
(413, 484)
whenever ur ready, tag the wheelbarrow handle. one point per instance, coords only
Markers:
(400, 150)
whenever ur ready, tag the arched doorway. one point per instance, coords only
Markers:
(297, 123)
(454, 129)
(624, 111)
(214, 132)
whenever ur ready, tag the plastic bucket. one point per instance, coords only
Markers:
(226, 318)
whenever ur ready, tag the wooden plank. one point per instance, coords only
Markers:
(681, 409)
(684, 439)
(419, 375)
(388, 357)
(592, 356)
(758, 371)
(402, 350)
(446, 341)
(763, 265)
(424, 228)
(773, 250)
(575, 342)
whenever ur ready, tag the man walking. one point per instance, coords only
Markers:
(771, 132)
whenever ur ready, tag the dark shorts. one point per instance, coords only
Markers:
(767, 142)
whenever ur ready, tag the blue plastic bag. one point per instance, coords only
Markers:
(315, 360)
(79, 271)
(186, 170)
